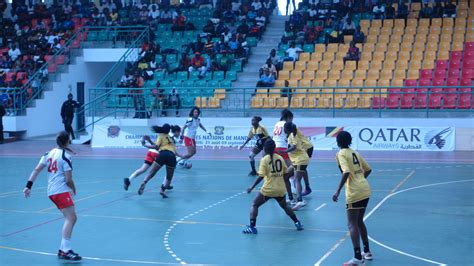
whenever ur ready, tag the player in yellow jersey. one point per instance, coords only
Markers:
(166, 145)
(299, 160)
(355, 171)
(261, 133)
(272, 170)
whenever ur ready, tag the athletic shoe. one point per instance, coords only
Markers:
(168, 187)
(163, 194)
(299, 205)
(354, 261)
(291, 203)
(299, 226)
(367, 256)
(126, 183)
(70, 255)
(253, 173)
(141, 189)
(306, 192)
(250, 230)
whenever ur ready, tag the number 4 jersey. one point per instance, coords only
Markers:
(357, 187)
(57, 161)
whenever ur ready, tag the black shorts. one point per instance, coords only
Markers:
(167, 158)
(259, 144)
(361, 204)
(278, 199)
(300, 168)
(310, 152)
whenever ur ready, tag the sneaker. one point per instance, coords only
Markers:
(253, 173)
(162, 192)
(291, 203)
(250, 230)
(70, 255)
(299, 205)
(126, 183)
(299, 226)
(354, 261)
(367, 256)
(306, 192)
(141, 189)
(168, 187)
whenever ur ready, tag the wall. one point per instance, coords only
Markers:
(465, 139)
(108, 55)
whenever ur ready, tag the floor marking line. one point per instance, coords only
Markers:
(341, 240)
(19, 192)
(320, 207)
(78, 200)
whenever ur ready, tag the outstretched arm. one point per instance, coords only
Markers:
(257, 181)
(32, 178)
(245, 143)
(203, 128)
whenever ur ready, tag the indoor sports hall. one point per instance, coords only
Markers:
(371, 100)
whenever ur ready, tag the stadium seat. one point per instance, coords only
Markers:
(300, 65)
(288, 65)
(449, 102)
(467, 73)
(312, 65)
(466, 81)
(453, 73)
(378, 102)
(284, 75)
(426, 74)
(308, 75)
(296, 75)
(435, 102)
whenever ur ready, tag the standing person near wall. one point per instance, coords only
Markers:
(67, 114)
(2, 113)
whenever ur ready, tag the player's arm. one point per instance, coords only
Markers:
(32, 178)
(365, 166)
(344, 167)
(147, 143)
(291, 144)
(290, 148)
(249, 137)
(203, 128)
(181, 137)
(257, 181)
(69, 181)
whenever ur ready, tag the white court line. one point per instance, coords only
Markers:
(320, 207)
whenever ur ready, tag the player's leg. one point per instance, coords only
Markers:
(298, 176)
(70, 219)
(167, 183)
(191, 147)
(257, 202)
(353, 216)
(255, 152)
(282, 202)
(286, 178)
(364, 236)
(139, 171)
(155, 167)
(307, 189)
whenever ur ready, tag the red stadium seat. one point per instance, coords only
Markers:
(438, 82)
(441, 64)
(420, 101)
(436, 92)
(465, 101)
(467, 73)
(52, 67)
(8, 76)
(468, 63)
(378, 102)
(410, 82)
(465, 90)
(408, 92)
(469, 46)
(20, 75)
(466, 82)
(424, 83)
(449, 102)
(455, 56)
(453, 73)
(426, 73)
(440, 73)
(435, 102)
(392, 101)
(394, 91)
(406, 102)
(454, 65)
(452, 82)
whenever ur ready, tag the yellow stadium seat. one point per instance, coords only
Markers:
(379, 56)
(446, 38)
(350, 65)
(363, 64)
(435, 31)
(334, 74)
(410, 31)
(321, 75)
(288, 65)
(459, 30)
(257, 102)
(447, 31)
(420, 39)
(308, 75)
(261, 93)
(444, 46)
(319, 83)
(324, 103)
(388, 23)
(398, 31)
(201, 102)
(360, 74)
(275, 93)
(321, 48)
(401, 65)
(460, 22)
(304, 57)
(293, 83)
(395, 47)
(279, 83)
(397, 82)
(214, 103)
(384, 82)
(389, 64)
(373, 74)
(391, 55)
(396, 39)
(347, 74)
(284, 75)
(269, 102)
(431, 47)
(371, 83)
(337, 65)
(312, 65)
(416, 7)
(458, 37)
(376, 65)
(415, 64)
(428, 64)
(305, 83)
(424, 22)
(457, 46)
(357, 84)
(331, 83)
(374, 31)
(386, 31)
(381, 47)
(366, 56)
(220, 93)
(418, 46)
(344, 83)
(413, 74)
(316, 57)
(386, 74)
(368, 47)
(340, 55)
(417, 55)
(376, 23)
(399, 73)
(296, 75)
(433, 38)
(296, 102)
(365, 23)
(404, 55)
(310, 102)
(325, 65)
(431, 55)
(448, 22)
(300, 65)
(281, 102)
(372, 39)
(384, 39)
(436, 22)
(328, 56)
(332, 47)
(400, 23)
(461, 14)
(348, 38)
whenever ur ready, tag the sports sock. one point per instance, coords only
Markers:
(366, 247)
(253, 222)
(252, 164)
(293, 217)
(357, 254)
(65, 245)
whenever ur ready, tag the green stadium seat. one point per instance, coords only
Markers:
(182, 75)
(308, 48)
(231, 75)
(194, 75)
(226, 84)
(218, 75)
(252, 41)
(169, 76)
(200, 83)
(188, 84)
(103, 36)
(213, 83)
(187, 102)
(237, 66)
(159, 75)
(92, 35)
(177, 83)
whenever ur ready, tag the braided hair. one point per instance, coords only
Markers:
(290, 128)
(285, 114)
(165, 129)
(62, 140)
(269, 148)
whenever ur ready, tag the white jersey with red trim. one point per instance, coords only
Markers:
(57, 161)
(279, 135)
(192, 125)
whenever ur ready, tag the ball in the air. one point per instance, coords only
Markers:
(188, 165)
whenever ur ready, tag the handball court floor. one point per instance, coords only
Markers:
(421, 211)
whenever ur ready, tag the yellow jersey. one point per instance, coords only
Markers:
(261, 132)
(306, 144)
(273, 180)
(299, 156)
(357, 187)
(165, 143)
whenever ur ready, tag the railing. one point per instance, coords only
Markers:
(336, 101)
(22, 97)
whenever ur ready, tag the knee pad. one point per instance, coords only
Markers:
(252, 156)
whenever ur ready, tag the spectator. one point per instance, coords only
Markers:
(266, 79)
(196, 47)
(14, 52)
(288, 5)
(225, 62)
(312, 13)
(243, 29)
(154, 13)
(138, 98)
(359, 36)
(183, 64)
(270, 66)
(174, 100)
(293, 52)
(209, 46)
(402, 10)
(159, 100)
(449, 9)
(256, 5)
(276, 60)
(353, 54)
(179, 22)
(335, 36)
(390, 11)
(2, 114)
(197, 64)
(378, 11)
(126, 80)
(286, 92)
(426, 11)
(261, 20)
(67, 114)
(163, 65)
(349, 27)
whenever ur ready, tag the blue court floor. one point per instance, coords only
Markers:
(420, 213)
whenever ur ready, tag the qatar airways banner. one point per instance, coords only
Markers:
(322, 138)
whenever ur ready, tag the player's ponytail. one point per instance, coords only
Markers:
(269, 148)
(62, 140)
(175, 128)
(165, 129)
(286, 114)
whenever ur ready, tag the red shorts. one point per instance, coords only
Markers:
(62, 200)
(280, 152)
(188, 142)
(150, 157)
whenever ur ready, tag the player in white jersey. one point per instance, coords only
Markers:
(280, 139)
(61, 189)
(190, 130)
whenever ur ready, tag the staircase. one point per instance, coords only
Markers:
(249, 76)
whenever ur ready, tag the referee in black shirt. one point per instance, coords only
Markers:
(67, 114)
